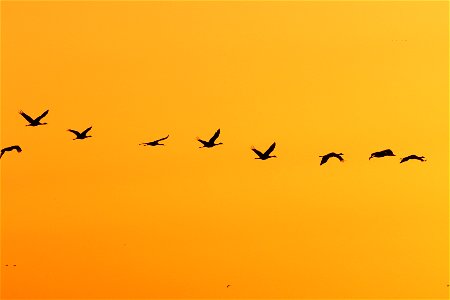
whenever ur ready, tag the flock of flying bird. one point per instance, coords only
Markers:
(206, 144)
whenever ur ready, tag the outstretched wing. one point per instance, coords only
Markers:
(202, 141)
(387, 152)
(268, 151)
(215, 136)
(74, 132)
(339, 157)
(324, 159)
(86, 131)
(27, 117)
(164, 138)
(257, 152)
(16, 147)
(41, 116)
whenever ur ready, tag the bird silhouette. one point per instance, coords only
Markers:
(421, 158)
(210, 143)
(228, 285)
(387, 152)
(81, 136)
(34, 122)
(326, 157)
(10, 148)
(155, 143)
(265, 155)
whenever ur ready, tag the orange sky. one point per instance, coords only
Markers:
(104, 217)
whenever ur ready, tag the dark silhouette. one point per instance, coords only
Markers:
(326, 157)
(155, 143)
(421, 158)
(34, 122)
(81, 136)
(10, 148)
(228, 285)
(210, 143)
(265, 155)
(387, 152)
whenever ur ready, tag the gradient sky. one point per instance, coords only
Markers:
(104, 217)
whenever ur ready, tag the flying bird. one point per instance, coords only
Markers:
(228, 285)
(326, 157)
(421, 158)
(10, 148)
(387, 152)
(81, 136)
(210, 143)
(155, 143)
(265, 155)
(34, 122)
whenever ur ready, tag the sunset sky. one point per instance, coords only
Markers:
(107, 218)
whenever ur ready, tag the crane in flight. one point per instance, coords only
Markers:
(421, 158)
(155, 143)
(211, 143)
(326, 157)
(81, 136)
(387, 152)
(34, 122)
(10, 148)
(265, 155)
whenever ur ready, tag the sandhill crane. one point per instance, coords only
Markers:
(10, 148)
(265, 155)
(155, 143)
(81, 136)
(34, 122)
(210, 143)
(387, 152)
(326, 157)
(421, 158)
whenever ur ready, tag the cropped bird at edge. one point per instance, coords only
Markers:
(387, 152)
(421, 158)
(10, 148)
(211, 143)
(81, 136)
(155, 143)
(326, 157)
(265, 155)
(34, 122)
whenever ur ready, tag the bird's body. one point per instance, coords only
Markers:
(387, 152)
(155, 143)
(81, 136)
(10, 148)
(34, 122)
(326, 157)
(211, 143)
(265, 155)
(421, 158)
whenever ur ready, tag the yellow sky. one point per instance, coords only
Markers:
(104, 217)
